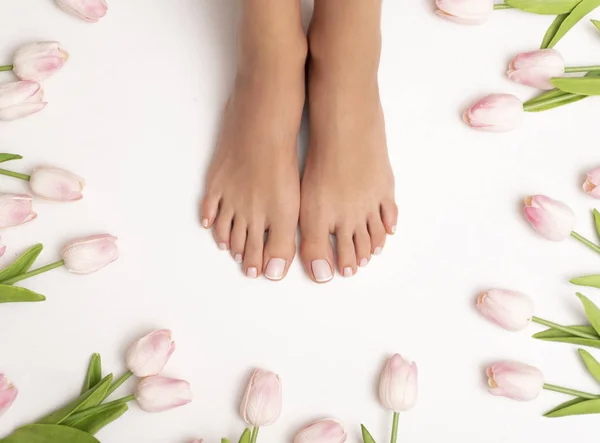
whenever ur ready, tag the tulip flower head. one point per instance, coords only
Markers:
(88, 10)
(261, 404)
(89, 254)
(536, 68)
(39, 61)
(322, 431)
(158, 393)
(470, 12)
(56, 184)
(398, 387)
(149, 355)
(20, 99)
(495, 113)
(550, 218)
(592, 183)
(15, 209)
(515, 380)
(8, 394)
(510, 309)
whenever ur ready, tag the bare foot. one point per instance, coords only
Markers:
(348, 183)
(253, 182)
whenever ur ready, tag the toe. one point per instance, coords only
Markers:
(317, 255)
(377, 234)
(362, 246)
(279, 250)
(389, 216)
(238, 240)
(346, 254)
(209, 209)
(222, 228)
(253, 253)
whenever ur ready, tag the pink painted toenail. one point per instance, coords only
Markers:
(252, 272)
(348, 272)
(222, 246)
(363, 262)
(205, 222)
(321, 270)
(237, 258)
(377, 250)
(275, 269)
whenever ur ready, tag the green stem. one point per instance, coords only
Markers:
(572, 392)
(566, 329)
(98, 408)
(15, 174)
(6, 68)
(118, 383)
(585, 241)
(33, 273)
(254, 434)
(582, 68)
(502, 6)
(536, 105)
(395, 427)
(224, 440)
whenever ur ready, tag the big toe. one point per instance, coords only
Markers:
(279, 250)
(317, 255)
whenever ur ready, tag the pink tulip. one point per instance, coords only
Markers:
(56, 184)
(158, 393)
(8, 394)
(510, 309)
(550, 218)
(15, 209)
(149, 355)
(88, 10)
(322, 431)
(39, 61)
(515, 380)
(89, 254)
(536, 68)
(196, 440)
(592, 183)
(470, 12)
(495, 113)
(398, 384)
(261, 405)
(20, 99)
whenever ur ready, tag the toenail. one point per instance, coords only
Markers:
(393, 229)
(205, 222)
(321, 270)
(348, 272)
(222, 246)
(363, 262)
(237, 258)
(377, 250)
(252, 272)
(275, 269)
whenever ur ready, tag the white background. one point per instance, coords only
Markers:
(136, 112)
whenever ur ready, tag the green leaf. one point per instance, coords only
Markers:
(544, 6)
(245, 438)
(554, 333)
(578, 12)
(564, 405)
(591, 364)
(592, 281)
(552, 30)
(596, 23)
(578, 85)
(87, 400)
(577, 408)
(15, 294)
(575, 341)
(564, 98)
(94, 373)
(39, 433)
(93, 422)
(591, 310)
(366, 435)
(21, 264)
(224, 440)
(7, 157)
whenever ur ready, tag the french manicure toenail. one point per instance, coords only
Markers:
(275, 269)
(321, 270)
(205, 222)
(393, 229)
(348, 272)
(237, 258)
(377, 250)
(363, 262)
(252, 272)
(222, 246)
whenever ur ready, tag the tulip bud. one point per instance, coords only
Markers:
(536, 68)
(158, 393)
(8, 394)
(15, 209)
(515, 380)
(56, 184)
(322, 431)
(592, 182)
(495, 113)
(39, 61)
(20, 99)
(510, 309)
(88, 10)
(89, 254)
(261, 404)
(149, 355)
(398, 384)
(550, 218)
(470, 12)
